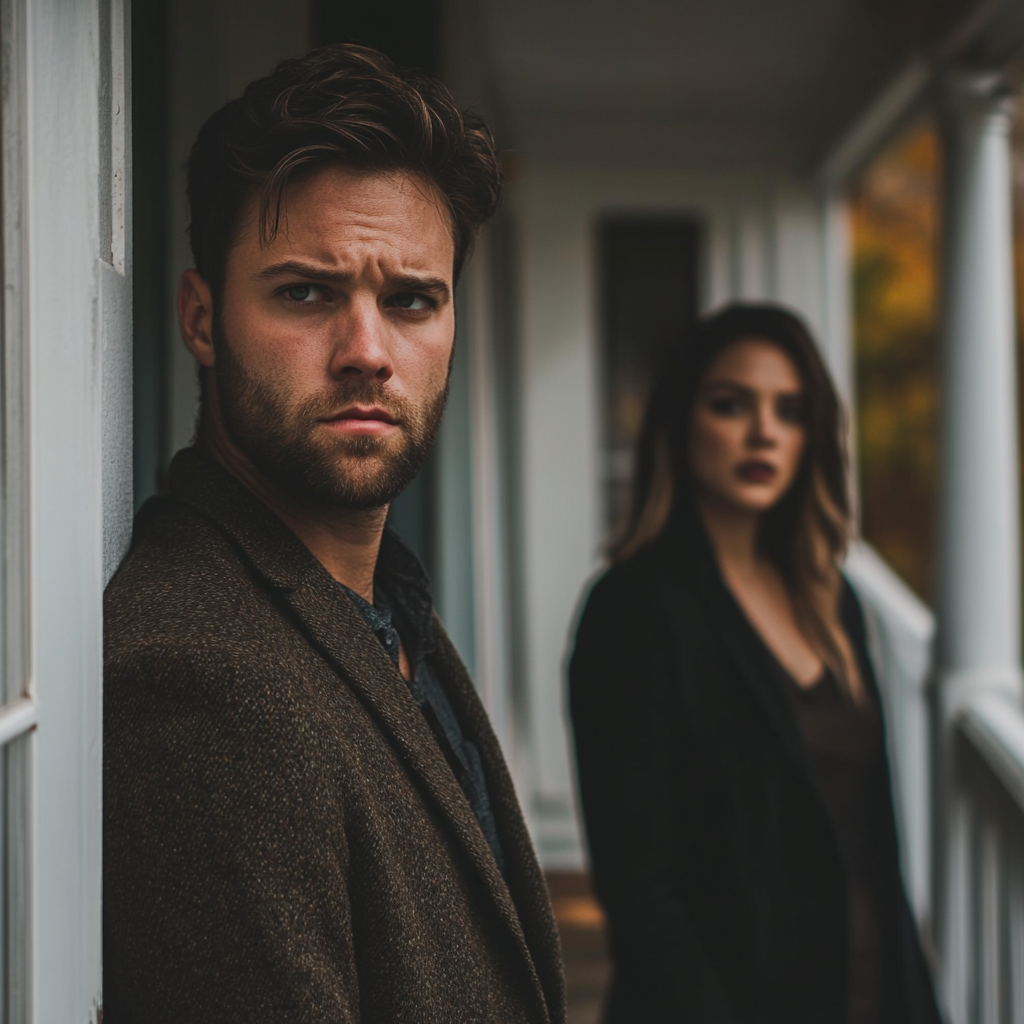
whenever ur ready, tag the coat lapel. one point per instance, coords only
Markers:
(336, 628)
(527, 884)
(338, 631)
(695, 565)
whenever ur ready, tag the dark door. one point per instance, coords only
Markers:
(649, 293)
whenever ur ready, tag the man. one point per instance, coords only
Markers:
(307, 816)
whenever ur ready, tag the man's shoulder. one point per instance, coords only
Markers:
(182, 580)
(173, 546)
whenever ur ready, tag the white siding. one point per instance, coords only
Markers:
(764, 239)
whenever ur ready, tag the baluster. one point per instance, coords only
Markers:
(1015, 931)
(990, 920)
(957, 933)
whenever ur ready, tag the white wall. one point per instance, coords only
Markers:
(74, 340)
(764, 239)
(115, 272)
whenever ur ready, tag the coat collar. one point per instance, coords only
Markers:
(337, 629)
(694, 561)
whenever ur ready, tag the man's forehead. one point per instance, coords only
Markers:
(332, 211)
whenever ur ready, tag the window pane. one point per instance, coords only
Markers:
(14, 881)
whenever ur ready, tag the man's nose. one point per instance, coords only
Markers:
(361, 342)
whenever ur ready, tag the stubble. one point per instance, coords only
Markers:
(293, 449)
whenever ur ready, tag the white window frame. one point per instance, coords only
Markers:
(19, 712)
(65, 481)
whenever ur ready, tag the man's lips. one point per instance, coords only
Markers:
(755, 471)
(361, 420)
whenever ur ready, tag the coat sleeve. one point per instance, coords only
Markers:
(225, 897)
(621, 679)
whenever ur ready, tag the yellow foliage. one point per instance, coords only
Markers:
(894, 220)
(894, 211)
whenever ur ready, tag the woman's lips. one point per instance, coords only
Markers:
(361, 421)
(754, 471)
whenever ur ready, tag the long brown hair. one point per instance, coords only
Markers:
(805, 534)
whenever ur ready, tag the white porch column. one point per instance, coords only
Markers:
(979, 603)
(979, 598)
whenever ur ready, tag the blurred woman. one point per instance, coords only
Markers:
(732, 759)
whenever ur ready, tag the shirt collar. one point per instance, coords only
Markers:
(402, 601)
(280, 557)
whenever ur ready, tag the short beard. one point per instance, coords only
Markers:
(332, 472)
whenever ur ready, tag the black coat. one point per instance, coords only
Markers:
(712, 851)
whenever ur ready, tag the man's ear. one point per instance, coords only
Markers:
(195, 317)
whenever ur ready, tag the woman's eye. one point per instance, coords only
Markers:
(409, 300)
(304, 293)
(791, 412)
(726, 405)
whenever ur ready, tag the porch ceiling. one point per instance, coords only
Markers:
(711, 81)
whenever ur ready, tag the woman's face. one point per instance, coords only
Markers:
(747, 434)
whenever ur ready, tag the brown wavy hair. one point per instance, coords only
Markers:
(806, 533)
(342, 104)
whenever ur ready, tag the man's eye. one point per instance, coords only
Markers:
(409, 300)
(304, 293)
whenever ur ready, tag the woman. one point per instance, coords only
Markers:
(728, 725)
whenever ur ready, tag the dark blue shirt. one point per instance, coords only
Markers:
(402, 614)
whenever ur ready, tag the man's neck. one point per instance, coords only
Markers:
(346, 542)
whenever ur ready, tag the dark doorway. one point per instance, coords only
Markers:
(649, 287)
(408, 31)
(150, 303)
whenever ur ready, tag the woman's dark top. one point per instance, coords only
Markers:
(847, 751)
(714, 844)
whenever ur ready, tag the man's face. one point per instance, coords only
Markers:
(332, 344)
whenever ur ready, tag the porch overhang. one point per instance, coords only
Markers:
(719, 83)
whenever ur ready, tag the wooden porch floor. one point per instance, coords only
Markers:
(584, 944)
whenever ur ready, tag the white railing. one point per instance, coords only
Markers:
(979, 686)
(983, 853)
(901, 630)
(975, 846)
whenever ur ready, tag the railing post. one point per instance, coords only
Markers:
(979, 593)
(979, 602)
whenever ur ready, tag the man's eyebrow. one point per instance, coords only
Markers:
(432, 285)
(299, 269)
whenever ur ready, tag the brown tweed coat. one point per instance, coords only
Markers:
(283, 838)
